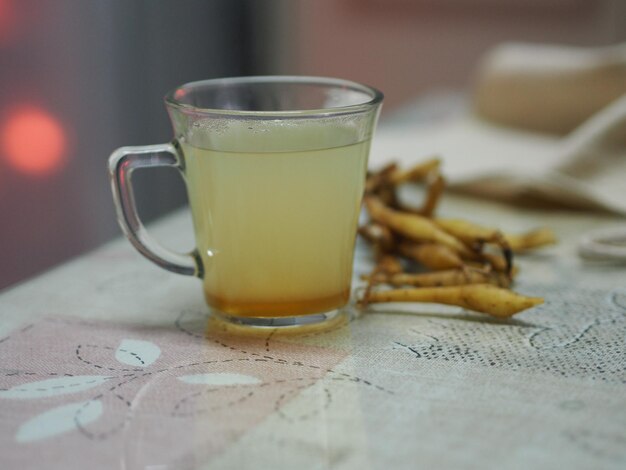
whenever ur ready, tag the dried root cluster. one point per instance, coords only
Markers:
(423, 258)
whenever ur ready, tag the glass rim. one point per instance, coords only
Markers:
(376, 97)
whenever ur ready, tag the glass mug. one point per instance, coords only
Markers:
(275, 169)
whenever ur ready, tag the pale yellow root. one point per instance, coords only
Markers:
(533, 239)
(387, 195)
(381, 177)
(484, 298)
(485, 266)
(378, 235)
(418, 172)
(471, 233)
(389, 264)
(496, 262)
(435, 190)
(411, 226)
(476, 236)
(468, 232)
(431, 255)
(448, 277)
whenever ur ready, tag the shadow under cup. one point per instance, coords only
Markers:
(275, 169)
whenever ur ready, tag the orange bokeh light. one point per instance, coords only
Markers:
(33, 141)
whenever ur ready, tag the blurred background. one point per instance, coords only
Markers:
(80, 78)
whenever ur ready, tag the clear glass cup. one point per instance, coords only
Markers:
(274, 168)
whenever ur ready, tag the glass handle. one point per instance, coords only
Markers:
(122, 163)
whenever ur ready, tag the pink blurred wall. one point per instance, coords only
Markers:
(407, 47)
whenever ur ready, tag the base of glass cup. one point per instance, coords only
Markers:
(329, 318)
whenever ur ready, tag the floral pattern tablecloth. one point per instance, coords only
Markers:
(108, 362)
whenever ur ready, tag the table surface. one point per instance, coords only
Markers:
(109, 362)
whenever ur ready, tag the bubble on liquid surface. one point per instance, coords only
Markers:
(276, 134)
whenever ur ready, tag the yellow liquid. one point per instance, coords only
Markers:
(276, 229)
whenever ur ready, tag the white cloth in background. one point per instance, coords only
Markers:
(585, 170)
(547, 87)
